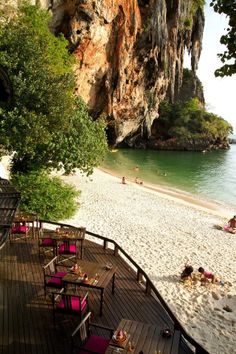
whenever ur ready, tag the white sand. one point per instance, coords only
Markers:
(161, 233)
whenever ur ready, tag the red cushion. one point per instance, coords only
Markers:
(75, 304)
(96, 344)
(71, 249)
(47, 242)
(19, 229)
(56, 279)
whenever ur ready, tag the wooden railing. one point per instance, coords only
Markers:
(9, 201)
(144, 278)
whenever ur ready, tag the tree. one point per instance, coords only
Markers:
(44, 126)
(227, 7)
(49, 197)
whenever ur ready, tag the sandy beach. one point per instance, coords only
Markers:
(162, 232)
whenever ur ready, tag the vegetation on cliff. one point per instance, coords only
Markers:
(228, 57)
(44, 126)
(184, 124)
(190, 126)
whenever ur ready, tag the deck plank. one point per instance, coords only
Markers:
(26, 324)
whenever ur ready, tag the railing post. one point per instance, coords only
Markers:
(105, 244)
(139, 276)
(116, 249)
(148, 287)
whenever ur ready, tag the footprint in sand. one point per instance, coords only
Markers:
(215, 295)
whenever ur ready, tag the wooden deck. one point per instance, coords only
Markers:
(26, 323)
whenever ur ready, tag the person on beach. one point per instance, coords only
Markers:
(187, 273)
(138, 181)
(123, 181)
(207, 276)
(232, 224)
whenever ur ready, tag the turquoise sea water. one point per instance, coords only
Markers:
(211, 175)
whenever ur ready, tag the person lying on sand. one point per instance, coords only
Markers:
(186, 274)
(210, 277)
(229, 227)
(207, 276)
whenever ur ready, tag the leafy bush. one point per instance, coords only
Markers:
(49, 197)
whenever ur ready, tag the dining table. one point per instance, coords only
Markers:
(92, 275)
(29, 219)
(61, 235)
(144, 338)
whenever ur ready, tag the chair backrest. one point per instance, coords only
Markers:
(70, 303)
(73, 302)
(66, 244)
(51, 267)
(82, 331)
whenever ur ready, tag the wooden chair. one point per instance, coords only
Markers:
(69, 304)
(69, 249)
(19, 230)
(52, 275)
(46, 245)
(83, 338)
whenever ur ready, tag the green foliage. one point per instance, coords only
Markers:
(228, 57)
(43, 127)
(197, 4)
(150, 96)
(48, 196)
(85, 133)
(190, 121)
(188, 23)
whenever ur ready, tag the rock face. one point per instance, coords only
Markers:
(128, 53)
(191, 88)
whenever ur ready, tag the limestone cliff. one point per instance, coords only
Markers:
(191, 88)
(128, 53)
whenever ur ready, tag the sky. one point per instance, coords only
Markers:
(219, 93)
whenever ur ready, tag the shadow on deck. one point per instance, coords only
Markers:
(26, 322)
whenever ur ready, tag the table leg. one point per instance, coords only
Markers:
(113, 283)
(33, 229)
(101, 301)
(81, 249)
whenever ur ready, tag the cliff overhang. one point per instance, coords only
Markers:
(128, 53)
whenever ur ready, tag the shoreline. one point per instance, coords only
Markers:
(162, 233)
(181, 196)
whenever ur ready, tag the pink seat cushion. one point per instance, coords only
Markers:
(56, 279)
(75, 304)
(71, 249)
(47, 242)
(19, 229)
(95, 344)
